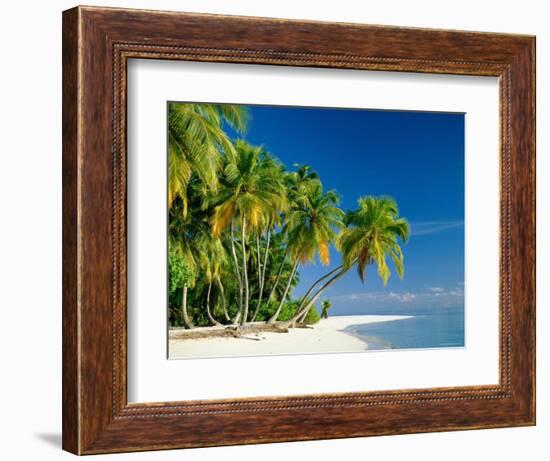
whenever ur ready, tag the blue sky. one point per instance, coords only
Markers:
(415, 157)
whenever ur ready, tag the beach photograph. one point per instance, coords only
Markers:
(313, 230)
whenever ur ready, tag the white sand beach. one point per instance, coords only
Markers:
(325, 336)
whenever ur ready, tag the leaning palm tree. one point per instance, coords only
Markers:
(250, 192)
(195, 141)
(311, 222)
(373, 233)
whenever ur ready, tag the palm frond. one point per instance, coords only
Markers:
(372, 233)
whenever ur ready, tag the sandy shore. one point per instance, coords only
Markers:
(325, 336)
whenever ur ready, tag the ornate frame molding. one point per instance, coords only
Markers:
(97, 43)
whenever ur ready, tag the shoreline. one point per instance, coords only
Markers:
(328, 335)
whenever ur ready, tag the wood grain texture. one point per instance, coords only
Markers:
(97, 42)
(70, 383)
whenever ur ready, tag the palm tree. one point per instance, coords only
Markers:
(189, 234)
(282, 262)
(298, 183)
(213, 258)
(311, 223)
(373, 232)
(195, 141)
(271, 219)
(250, 194)
(325, 305)
(177, 236)
(278, 266)
(180, 276)
(221, 296)
(301, 181)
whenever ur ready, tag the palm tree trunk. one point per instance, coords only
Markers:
(262, 274)
(315, 297)
(222, 296)
(273, 318)
(302, 318)
(305, 297)
(279, 272)
(187, 323)
(237, 274)
(211, 318)
(319, 280)
(244, 313)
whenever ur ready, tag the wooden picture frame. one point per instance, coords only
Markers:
(97, 43)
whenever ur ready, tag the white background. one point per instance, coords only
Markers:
(30, 243)
(152, 378)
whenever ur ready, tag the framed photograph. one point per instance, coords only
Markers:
(281, 230)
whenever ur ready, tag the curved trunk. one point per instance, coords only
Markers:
(302, 317)
(262, 274)
(305, 297)
(319, 280)
(310, 303)
(244, 313)
(186, 320)
(279, 272)
(211, 318)
(222, 298)
(237, 274)
(259, 266)
(273, 318)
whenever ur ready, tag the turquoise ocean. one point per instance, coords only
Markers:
(427, 328)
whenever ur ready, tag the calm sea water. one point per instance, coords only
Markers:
(428, 328)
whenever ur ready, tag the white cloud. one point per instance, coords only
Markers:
(430, 297)
(431, 227)
(403, 297)
(407, 297)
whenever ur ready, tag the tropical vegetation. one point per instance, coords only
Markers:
(242, 224)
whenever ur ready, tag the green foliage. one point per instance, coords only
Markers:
(372, 233)
(195, 140)
(312, 221)
(325, 306)
(287, 312)
(179, 273)
(252, 189)
(234, 205)
(267, 309)
(312, 316)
